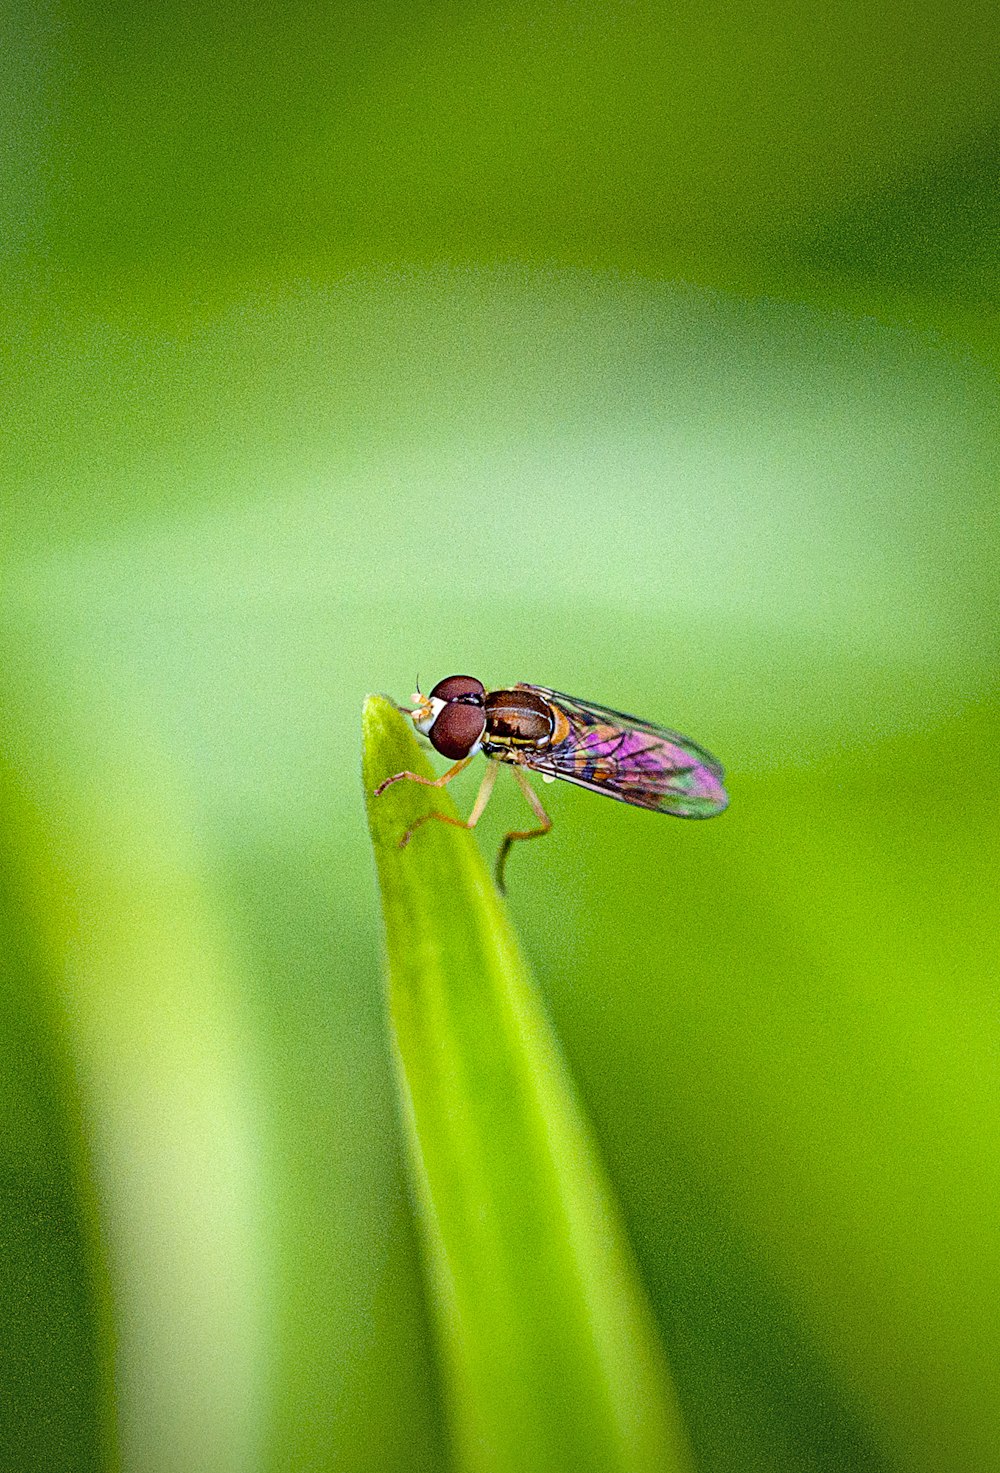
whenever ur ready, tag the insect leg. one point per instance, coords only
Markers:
(482, 798)
(539, 812)
(426, 782)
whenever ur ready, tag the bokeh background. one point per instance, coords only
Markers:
(647, 351)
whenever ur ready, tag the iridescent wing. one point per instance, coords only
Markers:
(628, 759)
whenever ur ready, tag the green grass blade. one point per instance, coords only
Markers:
(551, 1358)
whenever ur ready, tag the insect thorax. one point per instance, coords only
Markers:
(516, 718)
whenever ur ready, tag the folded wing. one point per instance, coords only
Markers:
(630, 760)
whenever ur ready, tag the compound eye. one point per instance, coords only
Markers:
(459, 688)
(457, 729)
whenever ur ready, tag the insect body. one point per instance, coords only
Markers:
(558, 736)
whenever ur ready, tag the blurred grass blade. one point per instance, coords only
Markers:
(551, 1358)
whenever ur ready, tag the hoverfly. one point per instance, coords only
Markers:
(529, 726)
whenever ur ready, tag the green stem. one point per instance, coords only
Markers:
(551, 1358)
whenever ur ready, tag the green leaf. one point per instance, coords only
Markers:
(551, 1359)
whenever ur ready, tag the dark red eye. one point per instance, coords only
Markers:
(457, 729)
(458, 687)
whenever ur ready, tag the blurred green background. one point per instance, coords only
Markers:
(645, 351)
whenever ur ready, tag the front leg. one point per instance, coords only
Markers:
(482, 798)
(425, 782)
